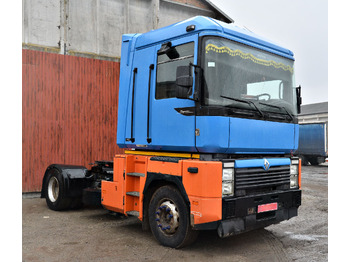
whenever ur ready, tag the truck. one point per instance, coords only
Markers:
(207, 116)
(313, 143)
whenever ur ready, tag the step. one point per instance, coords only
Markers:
(133, 213)
(135, 174)
(133, 193)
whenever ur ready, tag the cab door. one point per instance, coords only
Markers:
(142, 79)
(172, 120)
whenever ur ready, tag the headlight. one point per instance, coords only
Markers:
(228, 178)
(227, 174)
(293, 169)
(227, 188)
(294, 173)
(293, 181)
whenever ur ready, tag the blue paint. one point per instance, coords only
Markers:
(253, 136)
(209, 26)
(247, 163)
(214, 134)
(172, 131)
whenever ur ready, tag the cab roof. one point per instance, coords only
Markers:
(207, 26)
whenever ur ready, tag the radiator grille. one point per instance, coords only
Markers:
(257, 180)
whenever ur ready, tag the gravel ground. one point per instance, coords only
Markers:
(95, 234)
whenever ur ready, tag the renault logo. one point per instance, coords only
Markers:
(266, 164)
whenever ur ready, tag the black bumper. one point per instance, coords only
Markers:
(240, 214)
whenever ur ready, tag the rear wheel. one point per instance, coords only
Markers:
(304, 160)
(316, 160)
(169, 218)
(54, 191)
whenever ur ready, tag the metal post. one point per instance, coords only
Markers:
(63, 26)
(126, 4)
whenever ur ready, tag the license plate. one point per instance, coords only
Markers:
(267, 207)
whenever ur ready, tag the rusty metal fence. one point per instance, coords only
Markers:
(69, 112)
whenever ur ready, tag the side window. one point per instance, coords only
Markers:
(166, 69)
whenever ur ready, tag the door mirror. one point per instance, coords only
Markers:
(299, 100)
(168, 50)
(184, 82)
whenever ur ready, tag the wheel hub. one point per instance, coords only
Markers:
(53, 189)
(167, 217)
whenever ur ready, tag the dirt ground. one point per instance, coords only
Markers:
(95, 234)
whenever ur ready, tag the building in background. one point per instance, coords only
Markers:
(70, 74)
(94, 28)
(314, 113)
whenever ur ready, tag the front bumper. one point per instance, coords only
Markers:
(240, 214)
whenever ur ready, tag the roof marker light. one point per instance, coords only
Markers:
(190, 28)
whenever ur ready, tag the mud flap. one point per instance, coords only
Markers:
(231, 227)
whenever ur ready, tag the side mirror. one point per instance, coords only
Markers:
(168, 50)
(184, 82)
(299, 100)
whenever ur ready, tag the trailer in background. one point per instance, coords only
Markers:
(313, 143)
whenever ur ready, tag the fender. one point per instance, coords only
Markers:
(74, 178)
(163, 179)
(177, 180)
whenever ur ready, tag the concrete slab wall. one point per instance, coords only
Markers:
(94, 27)
(40, 22)
(172, 12)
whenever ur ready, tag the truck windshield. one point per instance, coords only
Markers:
(237, 71)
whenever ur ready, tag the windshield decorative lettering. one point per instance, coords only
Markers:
(237, 52)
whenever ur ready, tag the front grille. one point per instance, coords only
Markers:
(250, 181)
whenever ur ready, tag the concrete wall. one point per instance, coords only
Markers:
(171, 12)
(40, 21)
(94, 28)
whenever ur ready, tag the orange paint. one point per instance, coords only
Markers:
(206, 210)
(203, 188)
(207, 182)
(135, 164)
(165, 167)
(109, 195)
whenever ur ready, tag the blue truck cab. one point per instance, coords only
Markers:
(205, 86)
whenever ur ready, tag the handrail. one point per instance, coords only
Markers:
(132, 139)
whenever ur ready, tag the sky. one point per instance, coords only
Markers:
(298, 25)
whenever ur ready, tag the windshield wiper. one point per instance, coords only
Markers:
(279, 107)
(246, 102)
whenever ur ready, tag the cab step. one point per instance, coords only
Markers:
(133, 193)
(133, 213)
(135, 174)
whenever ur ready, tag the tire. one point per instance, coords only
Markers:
(304, 161)
(54, 191)
(315, 161)
(169, 218)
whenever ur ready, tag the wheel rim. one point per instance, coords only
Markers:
(53, 189)
(167, 217)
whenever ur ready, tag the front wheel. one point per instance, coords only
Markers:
(169, 218)
(54, 191)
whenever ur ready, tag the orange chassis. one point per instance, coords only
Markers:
(137, 174)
